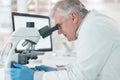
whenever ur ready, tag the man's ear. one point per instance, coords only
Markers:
(74, 17)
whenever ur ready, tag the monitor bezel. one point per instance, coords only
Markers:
(37, 16)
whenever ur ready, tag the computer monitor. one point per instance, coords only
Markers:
(21, 20)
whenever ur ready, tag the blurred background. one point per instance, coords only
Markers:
(42, 7)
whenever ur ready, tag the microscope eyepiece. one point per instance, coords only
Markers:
(46, 31)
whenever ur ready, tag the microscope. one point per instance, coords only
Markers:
(31, 36)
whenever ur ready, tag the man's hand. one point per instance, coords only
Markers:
(19, 72)
(45, 68)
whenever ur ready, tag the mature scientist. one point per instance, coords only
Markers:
(97, 46)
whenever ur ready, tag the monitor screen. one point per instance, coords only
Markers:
(22, 19)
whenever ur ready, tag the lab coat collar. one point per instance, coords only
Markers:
(89, 14)
(77, 33)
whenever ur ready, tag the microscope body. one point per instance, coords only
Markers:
(30, 34)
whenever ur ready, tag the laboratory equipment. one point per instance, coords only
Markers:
(30, 36)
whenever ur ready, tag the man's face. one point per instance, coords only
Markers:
(67, 27)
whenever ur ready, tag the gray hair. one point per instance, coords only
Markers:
(67, 6)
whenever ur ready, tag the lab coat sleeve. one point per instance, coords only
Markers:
(38, 75)
(56, 75)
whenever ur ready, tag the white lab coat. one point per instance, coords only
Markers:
(98, 51)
